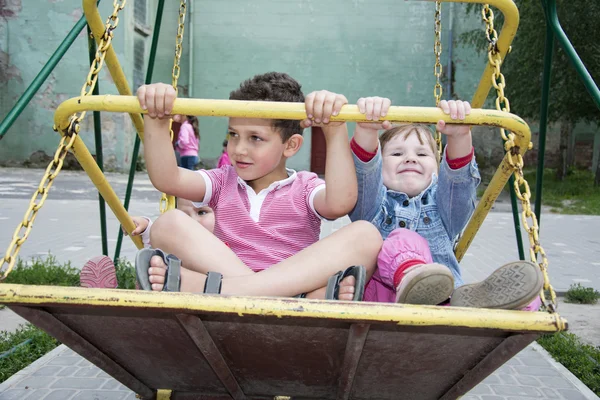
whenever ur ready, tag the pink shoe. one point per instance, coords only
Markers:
(99, 272)
(423, 284)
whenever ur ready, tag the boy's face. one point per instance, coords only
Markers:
(408, 165)
(204, 215)
(255, 147)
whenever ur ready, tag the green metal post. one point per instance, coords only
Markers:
(41, 77)
(515, 211)
(136, 146)
(98, 140)
(549, 48)
(585, 76)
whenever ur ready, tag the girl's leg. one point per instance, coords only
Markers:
(355, 244)
(406, 268)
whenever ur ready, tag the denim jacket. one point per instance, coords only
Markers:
(439, 213)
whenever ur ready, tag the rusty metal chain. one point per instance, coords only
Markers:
(66, 143)
(437, 68)
(168, 202)
(515, 159)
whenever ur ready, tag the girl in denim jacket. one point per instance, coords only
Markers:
(421, 204)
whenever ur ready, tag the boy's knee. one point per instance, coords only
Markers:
(167, 222)
(367, 234)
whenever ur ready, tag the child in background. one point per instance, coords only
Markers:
(420, 206)
(189, 142)
(224, 159)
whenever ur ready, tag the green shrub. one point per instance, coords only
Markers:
(125, 274)
(582, 295)
(40, 344)
(44, 272)
(581, 359)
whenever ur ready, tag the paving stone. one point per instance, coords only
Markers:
(550, 393)
(481, 389)
(571, 394)
(67, 371)
(492, 379)
(556, 382)
(14, 394)
(87, 372)
(68, 361)
(535, 359)
(536, 371)
(51, 370)
(38, 382)
(484, 397)
(37, 394)
(100, 395)
(507, 379)
(470, 397)
(78, 383)
(60, 394)
(527, 380)
(514, 390)
(111, 384)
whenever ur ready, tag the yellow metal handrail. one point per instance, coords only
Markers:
(296, 111)
(399, 314)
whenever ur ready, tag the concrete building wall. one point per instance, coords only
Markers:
(359, 48)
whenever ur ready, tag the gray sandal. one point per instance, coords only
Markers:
(333, 285)
(173, 276)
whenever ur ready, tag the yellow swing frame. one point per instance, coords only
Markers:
(53, 307)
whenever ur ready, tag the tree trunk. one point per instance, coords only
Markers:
(566, 130)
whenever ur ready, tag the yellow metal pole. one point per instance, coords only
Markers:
(509, 29)
(398, 314)
(295, 111)
(163, 394)
(90, 166)
(277, 110)
(490, 195)
(92, 15)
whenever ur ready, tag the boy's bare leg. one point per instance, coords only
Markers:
(356, 244)
(199, 250)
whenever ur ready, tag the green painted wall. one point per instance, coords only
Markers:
(29, 34)
(358, 48)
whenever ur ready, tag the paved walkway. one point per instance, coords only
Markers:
(68, 225)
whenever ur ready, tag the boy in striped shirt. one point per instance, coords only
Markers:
(269, 215)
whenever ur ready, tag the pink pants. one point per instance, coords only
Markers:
(403, 246)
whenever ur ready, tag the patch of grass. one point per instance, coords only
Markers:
(575, 195)
(125, 274)
(581, 359)
(582, 295)
(40, 344)
(46, 271)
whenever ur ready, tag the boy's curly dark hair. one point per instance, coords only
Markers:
(273, 86)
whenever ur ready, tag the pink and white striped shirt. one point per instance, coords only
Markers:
(267, 227)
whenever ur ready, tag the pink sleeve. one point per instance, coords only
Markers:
(312, 185)
(214, 179)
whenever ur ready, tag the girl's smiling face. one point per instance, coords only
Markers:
(409, 163)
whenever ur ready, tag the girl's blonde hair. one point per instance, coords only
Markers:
(423, 133)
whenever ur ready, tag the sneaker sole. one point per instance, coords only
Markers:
(431, 286)
(98, 272)
(511, 287)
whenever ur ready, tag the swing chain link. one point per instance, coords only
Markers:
(515, 159)
(66, 143)
(437, 68)
(167, 202)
